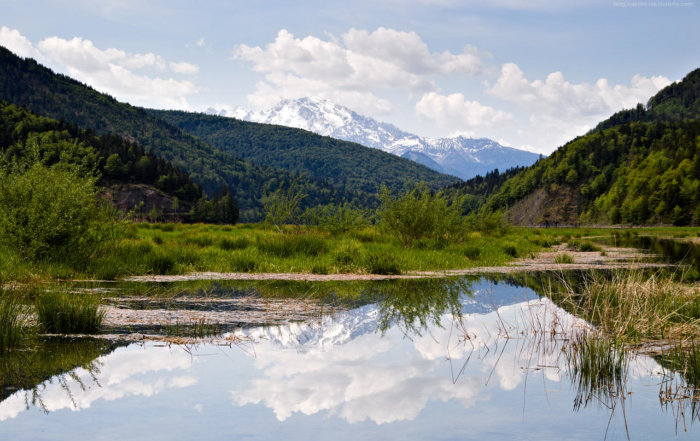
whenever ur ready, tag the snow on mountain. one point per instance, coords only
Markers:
(460, 156)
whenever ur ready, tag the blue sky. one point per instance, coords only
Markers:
(530, 74)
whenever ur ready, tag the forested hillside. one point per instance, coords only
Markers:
(123, 168)
(642, 166)
(27, 83)
(340, 162)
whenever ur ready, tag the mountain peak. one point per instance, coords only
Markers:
(461, 156)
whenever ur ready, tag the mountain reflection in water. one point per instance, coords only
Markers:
(465, 360)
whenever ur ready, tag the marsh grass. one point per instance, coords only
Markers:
(11, 322)
(201, 328)
(632, 306)
(184, 248)
(598, 367)
(69, 313)
(563, 258)
(382, 263)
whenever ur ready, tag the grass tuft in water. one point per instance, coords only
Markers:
(11, 323)
(69, 313)
(635, 307)
(564, 258)
(198, 329)
(598, 367)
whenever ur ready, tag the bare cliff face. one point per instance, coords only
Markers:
(142, 201)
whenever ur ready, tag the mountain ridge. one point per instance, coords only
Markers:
(464, 157)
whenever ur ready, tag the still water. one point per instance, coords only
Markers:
(488, 360)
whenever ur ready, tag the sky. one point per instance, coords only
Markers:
(529, 74)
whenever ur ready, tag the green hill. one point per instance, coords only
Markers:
(27, 83)
(641, 166)
(300, 151)
(132, 178)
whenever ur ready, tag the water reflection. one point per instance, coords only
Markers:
(482, 359)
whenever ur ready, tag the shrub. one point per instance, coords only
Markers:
(419, 214)
(337, 219)
(69, 313)
(52, 213)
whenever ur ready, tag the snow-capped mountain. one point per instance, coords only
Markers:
(459, 156)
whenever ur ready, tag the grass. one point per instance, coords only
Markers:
(598, 368)
(634, 307)
(11, 323)
(184, 248)
(198, 329)
(69, 313)
(563, 258)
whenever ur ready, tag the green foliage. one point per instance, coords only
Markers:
(69, 313)
(337, 219)
(51, 213)
(284, 206)
(418, 214)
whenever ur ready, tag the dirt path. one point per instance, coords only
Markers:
(612, 258)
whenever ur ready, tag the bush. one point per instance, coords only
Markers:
(337, 219)
(419, 214)
(68, 313)
(52, 213)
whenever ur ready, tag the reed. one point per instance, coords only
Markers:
(11, 323)
(69, 313)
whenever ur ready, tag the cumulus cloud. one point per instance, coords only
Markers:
(17, 43)
(456, 113)
(560, 110)
(557, 96)
(128, 76)
(184, 68)
(351, 69)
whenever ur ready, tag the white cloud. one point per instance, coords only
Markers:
(200, 42)
(17, 43)
(456, 113)
(555, 96)
(111, 70)
(350, 70)
(184, 68)
(560, 110)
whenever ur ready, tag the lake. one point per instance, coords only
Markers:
(460, 358)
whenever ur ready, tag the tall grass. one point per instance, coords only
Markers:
(69, 313)
(631, 306)
(598, 367)
(11, 323)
